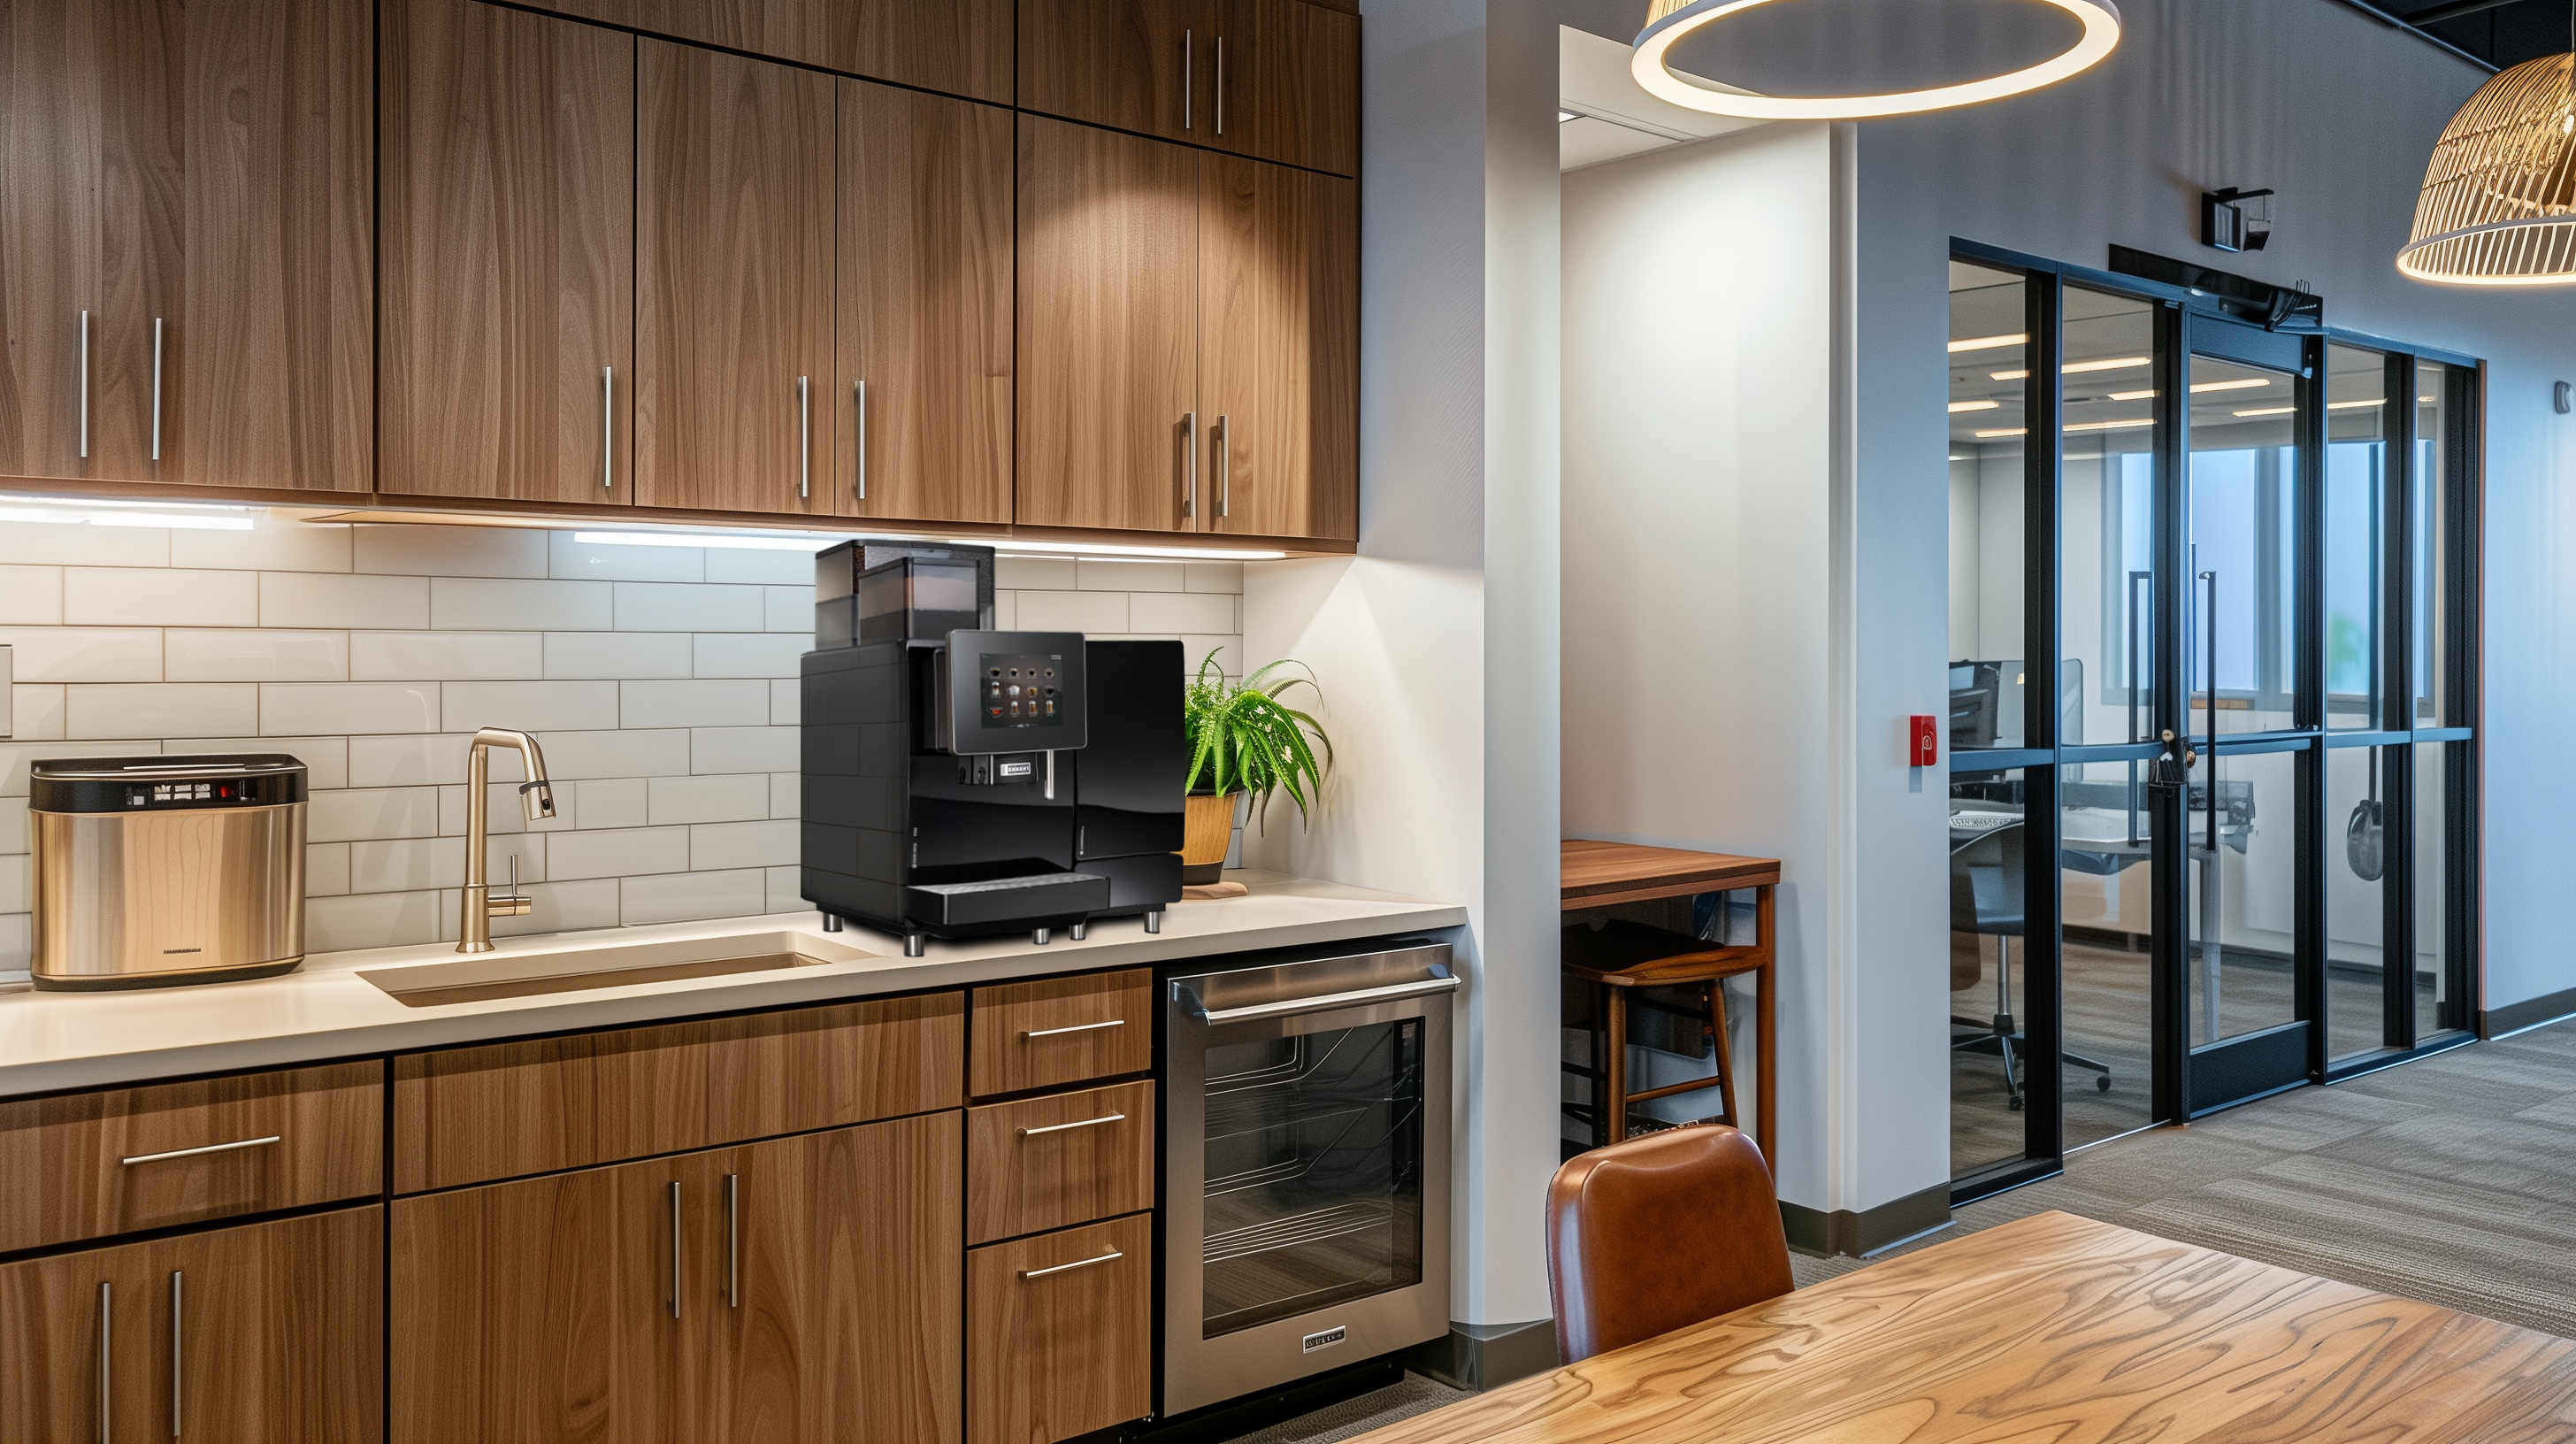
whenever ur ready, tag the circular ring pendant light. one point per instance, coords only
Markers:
(2499, 201)
(1669, 21)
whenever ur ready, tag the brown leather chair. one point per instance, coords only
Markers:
(1660, 1232)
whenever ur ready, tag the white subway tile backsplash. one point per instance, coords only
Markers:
(786, 797)
(273, 544)
(299, 709)
(254, 654)
(14, 873)
(419, 759)
(1105, 576)
(743, 749)
(753, 654)
(715, 703)
(612, 562)
(31, 596)
(326, 869)
(791, 609)
(620, 655)
(769, 568)
(784, 896)
(498, 605)
(742, 844)
(572, 756)
(1042, 574)
(1204, 612)
(320, 599)
(13, 822)
(84, 654)
(1006, 611)
(619, 853)
(785, 700)
(371, 920)
(681, 897)
(673, 607)
(406, 865)
(452, 551)
(104, 711)
(85, 546)
(371, 814)
(14, 757)
(1072, 611)
(1227, 650)
(558, 907)
(675, 800)
(158, 596)
(504, 811)
(36, 712)
(609, 802)
(530, 706)
(1213, 577)
(444, 656)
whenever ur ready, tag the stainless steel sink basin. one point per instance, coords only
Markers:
(507, 974)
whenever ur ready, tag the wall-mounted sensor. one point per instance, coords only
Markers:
(2236, 220)
(2559, 397)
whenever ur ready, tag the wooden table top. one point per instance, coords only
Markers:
(1595, 874)
(2051, 1329)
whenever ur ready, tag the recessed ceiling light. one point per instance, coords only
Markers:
(1958, 406)
(2108, 363)
(1991, 435)
(2110, 425)
(2011, 375)
(2269, 411)
(2131, 395)
(1963, 458)
(1989, 343)
(2350, 405)
(2243, 384)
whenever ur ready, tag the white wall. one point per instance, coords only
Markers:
(1436, 645)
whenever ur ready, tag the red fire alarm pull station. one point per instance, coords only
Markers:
(1926, 750)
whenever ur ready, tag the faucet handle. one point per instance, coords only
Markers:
(514, 903)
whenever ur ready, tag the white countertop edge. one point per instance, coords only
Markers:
(53, 1041)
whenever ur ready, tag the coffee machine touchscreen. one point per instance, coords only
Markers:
(1023, 690)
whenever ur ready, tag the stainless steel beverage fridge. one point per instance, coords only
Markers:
(1306, 1168)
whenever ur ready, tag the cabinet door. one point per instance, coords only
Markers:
(550, 1309)
(270, 365)
(829, 1264)
(1285, 83)
(1060, 1333)
(959, 46)
(509, 255)
(924, 336)
(271, 1333)
(1140, 65)
(1108, 328)
(1279, 392)
(733, 276)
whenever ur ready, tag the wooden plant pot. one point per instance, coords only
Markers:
(1207, 831)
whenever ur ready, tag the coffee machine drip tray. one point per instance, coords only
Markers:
(1007, 900)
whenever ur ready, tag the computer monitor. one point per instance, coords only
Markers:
(1986, 703)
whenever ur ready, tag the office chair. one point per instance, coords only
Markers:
(1986, 898)
(1660, 1232)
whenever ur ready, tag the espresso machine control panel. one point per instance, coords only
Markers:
(1015, 692)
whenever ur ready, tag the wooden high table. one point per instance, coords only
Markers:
(2049, 1328)
(1600, 874)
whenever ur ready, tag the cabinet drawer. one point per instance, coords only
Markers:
(470, 1115)
(1063, 1030)
(88, 1165)
(1063, 1159)
(1057, 1335)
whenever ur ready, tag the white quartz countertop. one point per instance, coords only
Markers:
(56, 1040)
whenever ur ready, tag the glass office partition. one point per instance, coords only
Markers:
(2429, 522)
(2437, 973)
(2106, 883)
(2241, 841)
(1989, 376)
(1989, 969)
(2355, 546)
(2356, 865)
(2242, 611)
(2107, 518)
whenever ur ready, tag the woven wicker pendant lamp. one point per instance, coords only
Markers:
(2499, 200)
(1669, 22)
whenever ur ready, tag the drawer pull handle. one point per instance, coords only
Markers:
(193, 1152)
(1080, 1263)
(1076, 1028)
(1086, 1123)
(106, 1374)
(675, 1248)
(178, 1376)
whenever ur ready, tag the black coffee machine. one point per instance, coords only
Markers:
(961, 781)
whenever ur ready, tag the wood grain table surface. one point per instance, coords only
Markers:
(1596, 874)
(2052, 1329)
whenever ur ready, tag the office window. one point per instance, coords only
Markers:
(2429, 521)
(1990, 961)
(2355, 548)
(2243, 610)
(2107, 519)
(2358, 810)
(1989, 378)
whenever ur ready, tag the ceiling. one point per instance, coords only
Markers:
(1611, 117)
(2501, 34)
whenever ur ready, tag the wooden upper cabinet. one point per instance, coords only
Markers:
(1140, 65)
(1286, 81)
(1108, 328)
(509, 255)
(270, 1331)
(733, 276)
(924, 333)
(962, 47)
(1279, 350)
(199, 180)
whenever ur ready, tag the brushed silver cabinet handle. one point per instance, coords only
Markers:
(1081, 1263)
(177, 1375)
(1187, 66)
(1076, 1028)
(733, 1241)
(156, 388)
(194, 1152)
(1220, 85)
(1190, 482)
(1061, 1127)
(106, 1326)
(861, 390)
(675, 1248)
(84, 418)
(1224, 466)
(607, 431)
(804, 437)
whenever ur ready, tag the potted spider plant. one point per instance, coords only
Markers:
(1243, 738)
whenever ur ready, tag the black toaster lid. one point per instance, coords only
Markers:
(122, 784)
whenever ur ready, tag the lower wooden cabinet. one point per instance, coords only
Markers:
(267, 1333)
(1060, 1333)
(800, 1289)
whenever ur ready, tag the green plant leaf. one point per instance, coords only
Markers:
(1244, 738)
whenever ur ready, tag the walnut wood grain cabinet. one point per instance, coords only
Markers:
(121, 1160)
(1059, 1333)
(186, 245)
(1052, 1031)
(1058, 1160)
(962, 47)
(508, 297)
(268, 1333)
(1273, 79)
(733, 280)
(924, 326)
(800, 1289)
